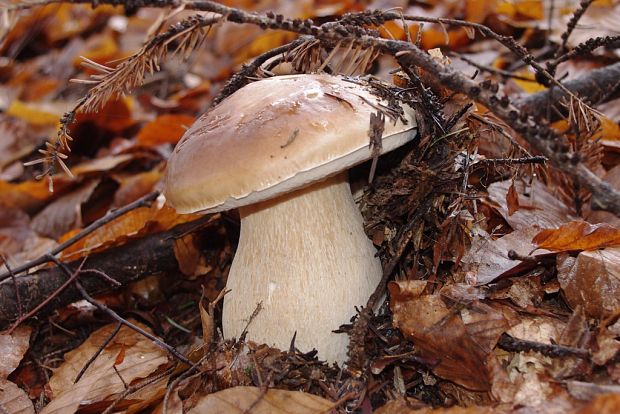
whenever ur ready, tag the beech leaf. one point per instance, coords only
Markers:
(253, 400)
(578, 235)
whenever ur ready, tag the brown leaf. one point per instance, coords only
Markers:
(512, 199)
(592, 280)
(254, 400)
(12, 349)
(406, 407)
(30, 195)
(487, 259)
(189, 256)
(115, 116)
(13, 399)
(589, 391)
(134, 186)
(599, 216)
(14, 230)
(608, 403)
(578, 235)
(101, 164)
(64, 213)
(165, 129)
(137, 222)
(100, 381)
(459, 343)
(538, 206)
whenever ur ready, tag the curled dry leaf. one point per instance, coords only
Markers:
(12, 349)
(13, 399)
(592, 280)
(458, 342)
(253, 400)
(578, 235)
(137, 222)
(100, 381)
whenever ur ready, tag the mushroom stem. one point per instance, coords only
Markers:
(306, 258)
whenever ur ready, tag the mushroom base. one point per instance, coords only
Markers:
(305, 258)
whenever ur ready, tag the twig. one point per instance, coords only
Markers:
(23, 317)
(176, 381)
(597, 86)
(136, 259)
(538, 159)
(511, 344)
(20, 308)
(240, 79)
(137, 387)
(172, 350)
(112, 215)
(99, 351)
(572, 24)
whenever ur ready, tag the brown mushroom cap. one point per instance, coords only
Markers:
(273, 136)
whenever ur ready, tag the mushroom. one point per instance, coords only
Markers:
(277, 150)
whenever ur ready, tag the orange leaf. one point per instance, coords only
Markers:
(476, 11)
(392, 30)
(578, 235)
(103, 50)
(165, 129)
(522, 9)
(121, 356)
(456, 38)
(33, 114)
(115, 116)
(531, 86)
(609, 130)
(512, 200)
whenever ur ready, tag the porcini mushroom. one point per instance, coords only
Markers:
(278, 149)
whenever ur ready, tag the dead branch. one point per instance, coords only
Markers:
(596, 87)
(511, 344)
(137, 259)
(112, 215)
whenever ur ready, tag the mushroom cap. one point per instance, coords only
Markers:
(276, 135)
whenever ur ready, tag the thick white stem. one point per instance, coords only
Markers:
(306, 258)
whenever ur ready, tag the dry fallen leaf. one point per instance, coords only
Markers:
(578, 235)
(140, 221)
(592, 280)
(406, 407)
(252, 400)
(101, 381)
(457, 344)
(165, 129)
(64, 213)
(487, 259)
(538, 206)
(12, 349)
(13, 399)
